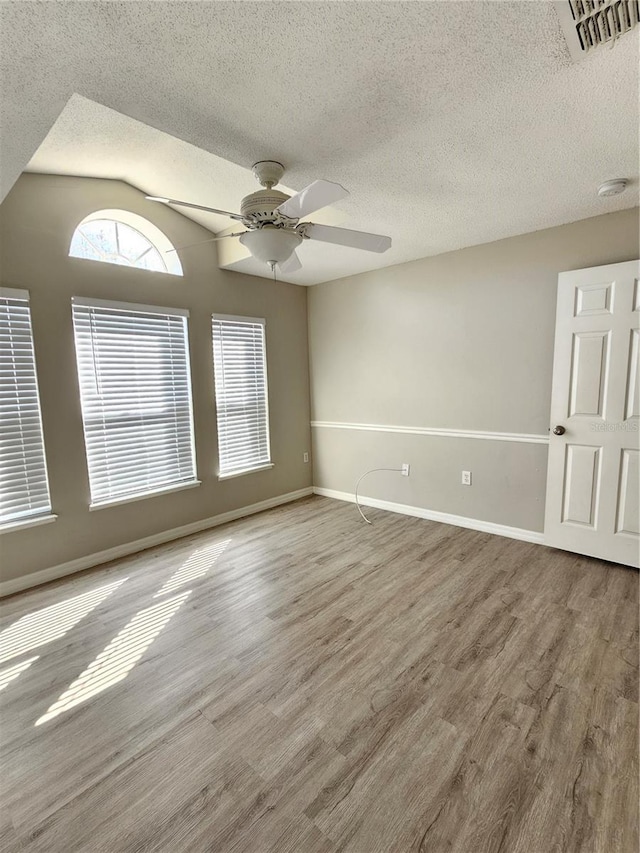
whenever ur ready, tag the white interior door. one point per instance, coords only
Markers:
(592, 483)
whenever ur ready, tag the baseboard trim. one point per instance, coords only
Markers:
(10, 587)
(482, 435)
(443, 517)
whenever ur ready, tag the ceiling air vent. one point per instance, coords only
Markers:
(587, 24)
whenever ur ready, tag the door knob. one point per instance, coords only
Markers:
(559, 430)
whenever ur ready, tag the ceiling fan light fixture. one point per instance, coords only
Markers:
(271, 245)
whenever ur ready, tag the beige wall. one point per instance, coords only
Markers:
(37, 221)
(461, 341)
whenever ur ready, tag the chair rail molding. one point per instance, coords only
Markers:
(483, 435)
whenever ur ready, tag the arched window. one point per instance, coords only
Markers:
(121, 237)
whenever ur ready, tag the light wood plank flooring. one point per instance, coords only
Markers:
(300, 682)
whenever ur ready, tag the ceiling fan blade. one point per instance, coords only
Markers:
(316, 195)
(346, 237)
(163, 200)
(200, 242)
(292, 264)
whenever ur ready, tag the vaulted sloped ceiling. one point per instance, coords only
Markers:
(451, 123)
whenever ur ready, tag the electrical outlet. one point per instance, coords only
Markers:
(405, 469)
(466, 478)
(305, 457)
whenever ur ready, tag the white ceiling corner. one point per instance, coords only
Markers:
(451, 123)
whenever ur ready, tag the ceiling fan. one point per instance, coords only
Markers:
(272, 220)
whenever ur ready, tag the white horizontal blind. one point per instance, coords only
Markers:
(24, 489)
(135, 388)
(241, 393)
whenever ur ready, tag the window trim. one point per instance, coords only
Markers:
(237, 318)
(243, 471)
(90, 302)
(157, 238)
(14, 293)
(34, 521)
(260, 466)
(141, 496)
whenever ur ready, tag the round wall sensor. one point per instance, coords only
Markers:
(612, 187)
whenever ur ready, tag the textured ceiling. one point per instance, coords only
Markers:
(451, 124)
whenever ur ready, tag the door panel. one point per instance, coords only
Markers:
(589, 374)
(594, 299)
(592, 502)
(632, 409)
(581, 484)
(628, 494)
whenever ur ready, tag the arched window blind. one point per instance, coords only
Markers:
(24, 489)
(241, 394)
(135, 389)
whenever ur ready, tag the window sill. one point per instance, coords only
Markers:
(244, 471)
(19, 524)
(140, 497)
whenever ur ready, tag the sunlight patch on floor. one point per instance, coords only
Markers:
(115, 662)
(197, 565)
(51, 623)
(7, 675)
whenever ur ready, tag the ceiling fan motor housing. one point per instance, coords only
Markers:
(260, 206)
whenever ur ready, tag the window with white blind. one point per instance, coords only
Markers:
(24, 489)
(135, 389)
(240, 368)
